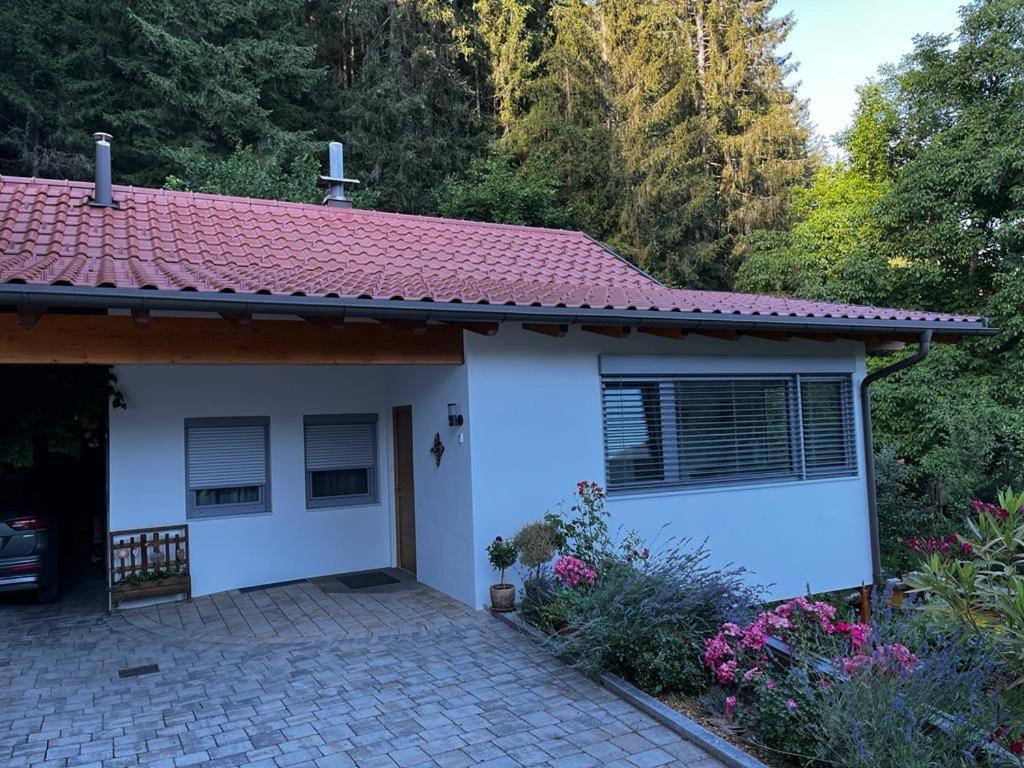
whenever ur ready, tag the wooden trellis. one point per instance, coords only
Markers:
(149, 562)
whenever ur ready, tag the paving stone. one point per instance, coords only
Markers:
(295, 676)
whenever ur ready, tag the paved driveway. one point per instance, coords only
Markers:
(448, 687)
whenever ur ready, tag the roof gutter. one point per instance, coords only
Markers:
(77, 297)
(924, 344)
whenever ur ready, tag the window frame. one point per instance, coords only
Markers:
(673, 460)
(372, 497)
(194, 511)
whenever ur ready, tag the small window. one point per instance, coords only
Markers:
(227, 466)
(341, 460)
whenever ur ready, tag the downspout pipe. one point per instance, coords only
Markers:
(924, 344)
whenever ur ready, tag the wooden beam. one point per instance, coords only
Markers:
(484, 329)
(830, 337)
(417, 327)
(29, 316)
(113, 340)
(548, 329)
(325, 322)
(884, 347)
(715, 334)
(140, 318)
(241, 321)
(668, 333)
(615, 331)
(770, 335)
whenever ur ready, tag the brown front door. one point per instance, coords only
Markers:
(405, 510)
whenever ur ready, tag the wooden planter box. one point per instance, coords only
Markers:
(146, 552)
(180, 584)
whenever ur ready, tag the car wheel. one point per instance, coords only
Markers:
(49, 593)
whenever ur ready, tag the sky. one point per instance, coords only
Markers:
(839, 44)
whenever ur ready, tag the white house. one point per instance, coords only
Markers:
(292, 371)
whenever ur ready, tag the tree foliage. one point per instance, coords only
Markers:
(661, 126)
(52, 411)
(160, 76)
(926, 212)
(246, 173)
(496, 190)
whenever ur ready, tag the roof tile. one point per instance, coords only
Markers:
(185, 241)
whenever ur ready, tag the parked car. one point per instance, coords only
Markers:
(29, 558)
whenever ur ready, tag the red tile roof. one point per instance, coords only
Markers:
(184, 241)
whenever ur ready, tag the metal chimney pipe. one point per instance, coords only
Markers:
(103, 196)
(337, 185)
(336, 165)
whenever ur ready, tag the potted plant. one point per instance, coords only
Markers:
(503, 555)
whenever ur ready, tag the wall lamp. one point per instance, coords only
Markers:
(454, 417)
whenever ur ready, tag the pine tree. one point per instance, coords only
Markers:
(403, 99)
(47, 57)
(159, 75)
(508, 39)
(566, 130)
(711, 138)
(672, 127)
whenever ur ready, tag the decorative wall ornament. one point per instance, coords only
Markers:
(437, 449)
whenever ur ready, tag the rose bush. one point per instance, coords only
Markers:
(818, 690)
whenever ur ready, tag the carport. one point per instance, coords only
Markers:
(53, 453)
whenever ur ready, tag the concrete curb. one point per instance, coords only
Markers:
(675, 721)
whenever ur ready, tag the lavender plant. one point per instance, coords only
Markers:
(647, 615)
(936, 713)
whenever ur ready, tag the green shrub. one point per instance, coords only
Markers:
(646, 618)
(882, 715)
(976, 586)
(583, 532)
(537, 544)
(903, 511)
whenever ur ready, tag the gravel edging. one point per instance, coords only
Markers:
(676, 721)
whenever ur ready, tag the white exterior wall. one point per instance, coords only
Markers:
(533, 425)
(147, 470)
(536, 425)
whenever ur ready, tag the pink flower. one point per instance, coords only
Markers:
(733, 630)
(730, 706)
(571, 571)
(983, 508)
(859, 634)
(755, 637)
(726, 672)
(791, 704)
(966, 547)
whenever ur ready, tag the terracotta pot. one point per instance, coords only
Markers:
(503, 598)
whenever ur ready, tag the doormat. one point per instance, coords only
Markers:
(368, 579)
(258, 587)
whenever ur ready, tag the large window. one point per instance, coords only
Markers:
(341, 460)
(679, 431)
(226, 466)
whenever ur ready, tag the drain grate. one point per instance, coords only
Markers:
(368, 579)
(145, 669)
(258, 587)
